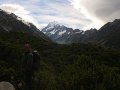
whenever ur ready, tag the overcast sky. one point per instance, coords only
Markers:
(82, 14)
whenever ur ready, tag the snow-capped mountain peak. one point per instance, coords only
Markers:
(54, 28)
(62, 34)
(59, 33)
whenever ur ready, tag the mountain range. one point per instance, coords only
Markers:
(62, 34)
(107, 35)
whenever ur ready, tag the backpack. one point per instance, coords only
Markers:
(36, 59)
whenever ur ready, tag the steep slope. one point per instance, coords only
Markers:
(10, 22)
(108, 35)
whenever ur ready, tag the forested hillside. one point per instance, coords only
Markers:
(62, 67)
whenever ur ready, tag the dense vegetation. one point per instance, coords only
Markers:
(62, 67)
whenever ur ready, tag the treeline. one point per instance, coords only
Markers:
(62, 67)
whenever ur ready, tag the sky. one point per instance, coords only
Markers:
(81, 14)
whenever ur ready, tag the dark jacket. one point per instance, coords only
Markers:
(27, 62)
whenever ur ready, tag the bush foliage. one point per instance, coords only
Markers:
(62, 67)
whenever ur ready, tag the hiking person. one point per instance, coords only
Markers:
(29, 62)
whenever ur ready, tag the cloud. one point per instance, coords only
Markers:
(99, 10)
(63, 14)
(41, 12)
(14, 8)
(19, 11)
(96, 22)
(106, 10)
(83, 14)
(63, 20)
